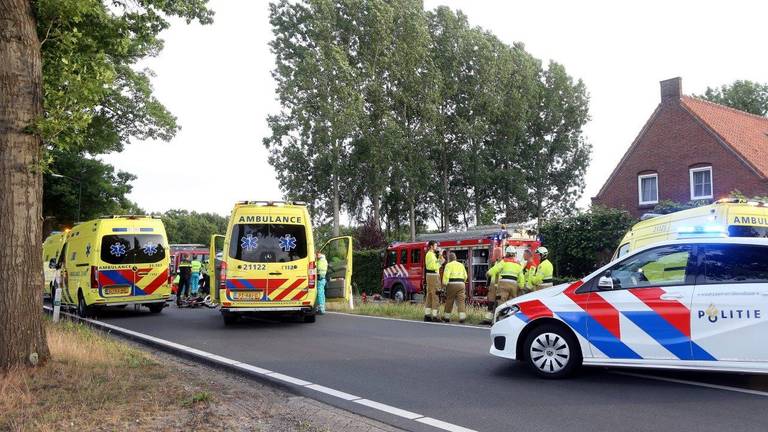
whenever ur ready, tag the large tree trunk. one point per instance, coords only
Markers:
(21, 103)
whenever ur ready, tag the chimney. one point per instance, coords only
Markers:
(671, 89)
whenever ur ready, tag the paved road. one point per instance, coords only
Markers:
(445, 372)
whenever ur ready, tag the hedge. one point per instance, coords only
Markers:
(581, 243)
(366, 271)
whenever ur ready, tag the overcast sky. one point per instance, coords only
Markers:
(216, 80)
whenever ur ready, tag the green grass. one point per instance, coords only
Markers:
(409, 311)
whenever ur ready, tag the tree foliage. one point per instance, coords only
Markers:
(412, 117)
(743, 95)
(581, 243)
(183, 226)
(103, 190)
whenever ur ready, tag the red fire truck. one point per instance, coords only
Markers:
(178, 251)
(403, 273)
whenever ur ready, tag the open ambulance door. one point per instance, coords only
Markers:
(338, 252)
(214, 265)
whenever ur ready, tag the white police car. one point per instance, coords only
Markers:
(696, 303)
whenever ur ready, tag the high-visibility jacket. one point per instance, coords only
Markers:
(543, 273)
(432, 262)
(528, 272)
(508, 268)
(454, 271)
(322, 267)
(196, 266)
(185, 269)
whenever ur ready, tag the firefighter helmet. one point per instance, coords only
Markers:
(542, 251)
(509, 250)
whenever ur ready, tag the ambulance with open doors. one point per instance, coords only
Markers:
(115, 261)
(51, 250)
(268, 264)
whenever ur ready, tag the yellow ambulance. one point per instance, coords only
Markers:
(115, 261)
(51, 250)
(267, 263)
(725, 218)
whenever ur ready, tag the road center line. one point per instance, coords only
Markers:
(275, 375)
(693, 383)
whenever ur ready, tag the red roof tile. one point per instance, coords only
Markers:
(747, 134)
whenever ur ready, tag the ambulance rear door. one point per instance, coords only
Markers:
(338, 252)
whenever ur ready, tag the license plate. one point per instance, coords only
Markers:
(117, 290)
(248, 295)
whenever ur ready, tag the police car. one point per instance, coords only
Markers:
(690, 303)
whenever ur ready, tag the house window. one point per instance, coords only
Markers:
(701, 183)
(648, 188)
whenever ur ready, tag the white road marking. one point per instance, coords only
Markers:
(286, 378)
(694, 383)
(252, 368)
(289, 379)
(443, 425)
(332, 392)
(477, 327)
(389, 409)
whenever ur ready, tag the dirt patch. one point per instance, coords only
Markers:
(97, 383)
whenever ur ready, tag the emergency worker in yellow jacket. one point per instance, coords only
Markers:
(432, 263)
(454, 281)
(542, 277)
(529, 269)
(510, 275)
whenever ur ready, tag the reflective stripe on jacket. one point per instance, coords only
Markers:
(454, 270)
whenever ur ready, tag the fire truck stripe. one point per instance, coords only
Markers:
(674, 312)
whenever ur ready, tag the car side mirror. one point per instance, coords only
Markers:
(52, 264)
(605, 282)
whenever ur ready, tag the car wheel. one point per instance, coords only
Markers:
(310, 318)
(230, 318)
(398, 294)
(552, 351)
(156, 307)
(83, 311)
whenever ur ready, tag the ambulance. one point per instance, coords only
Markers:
(115, 261)
(268, 264)
(51, 250)
(726, 217)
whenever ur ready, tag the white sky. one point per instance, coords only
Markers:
(216, 80)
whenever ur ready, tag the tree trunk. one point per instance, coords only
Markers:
(445, 178)
(21, 103)
(478, 208)
(336, 207)
(376, 204)
(412, 218)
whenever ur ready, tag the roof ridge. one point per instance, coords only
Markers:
(737, 111)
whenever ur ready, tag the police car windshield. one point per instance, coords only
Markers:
(132, 249)
(264, 243)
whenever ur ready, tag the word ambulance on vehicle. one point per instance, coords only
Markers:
(697, 302)
(51, 250)
(403, 272)
(726, 217)
(268, 263)
(114, 261)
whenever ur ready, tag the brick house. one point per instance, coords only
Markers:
(689, 149)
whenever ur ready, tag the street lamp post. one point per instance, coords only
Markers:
(79, 194)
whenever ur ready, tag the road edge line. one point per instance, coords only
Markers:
(693, 383)
(264, 375)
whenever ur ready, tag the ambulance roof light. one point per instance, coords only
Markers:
(702, 230)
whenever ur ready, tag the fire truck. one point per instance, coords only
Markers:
(403, 272)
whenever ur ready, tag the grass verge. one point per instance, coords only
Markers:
(409, 311)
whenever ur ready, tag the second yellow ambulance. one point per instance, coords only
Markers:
(268, 262)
